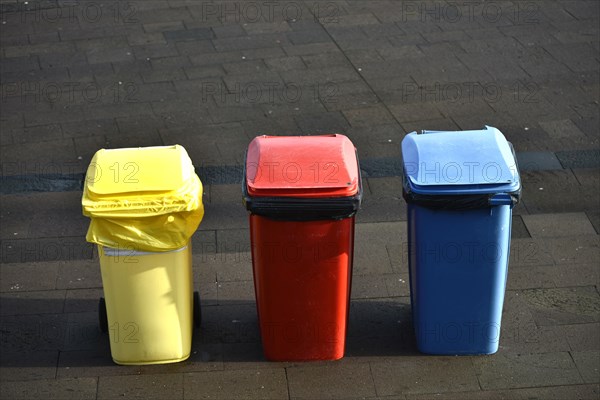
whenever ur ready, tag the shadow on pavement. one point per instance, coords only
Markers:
(376, 327)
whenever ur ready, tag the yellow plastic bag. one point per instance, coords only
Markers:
(144, 199)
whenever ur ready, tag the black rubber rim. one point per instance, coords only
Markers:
(197, 311)
(102, 316)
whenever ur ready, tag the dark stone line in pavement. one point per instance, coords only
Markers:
(383, 167)
(579, 158)
(538, 160)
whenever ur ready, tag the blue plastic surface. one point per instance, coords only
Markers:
(459, 162)
(458, 259)
(458, 268)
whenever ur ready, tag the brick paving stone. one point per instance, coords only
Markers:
(170, 62)
(380, 330)
(530, 278)
(518, 228)
(588, 364)
(330, 381)
(398, 285)
(561, 129)
(45, 249)
(314, 76)
(226, 194)
(229, 266)
(584, 392)
(582, 337)
(189, 34)
(190, 48)
(578, 57)
(424, 375)
(38, 302)
(143, 38)
(370, 258)
(370, 286)
(250, 42)
(378, 115)
(569, 275)
(167, 75)
(232, 322)
(529, 252)
(164, 386)
(54, 220)
(244, 356)
(83, 300)
(519, 332)
(594, 218)
(326, 123)
(34, 333)
(325, 60)
(54, 152)
(311, 48)
(441, 124)
(382, 210)
(28, 277)
(532, 161)
(17, 64)
(574, 250)
(154, 50)
(563, 305)
(415, 112)
(239, 292)
(579, 158)
(163, 26)
(22, 367)
(526, 370)
(227, 31)
(285, 63)
(307, 37)
(540, 190)
(242, 384)
(258, 28)
(45, 48)
(84, 388)
(233, 240)
(556, 225)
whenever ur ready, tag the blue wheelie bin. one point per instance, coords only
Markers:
(460, 189)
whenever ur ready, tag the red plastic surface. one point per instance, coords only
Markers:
(302, 279)
(302, 166)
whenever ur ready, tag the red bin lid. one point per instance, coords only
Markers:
(302, 166)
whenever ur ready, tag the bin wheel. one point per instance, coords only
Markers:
(102, 316)
(197, 311)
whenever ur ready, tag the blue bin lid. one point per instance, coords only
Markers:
(460, 162)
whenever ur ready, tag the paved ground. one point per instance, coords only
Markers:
(78, 76)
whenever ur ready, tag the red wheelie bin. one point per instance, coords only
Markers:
(302, 193)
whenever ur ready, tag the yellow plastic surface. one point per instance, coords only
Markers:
(149, 303)
(147, 198)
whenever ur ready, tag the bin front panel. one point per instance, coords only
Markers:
(302, 273)
(458, 271)
(149, 305)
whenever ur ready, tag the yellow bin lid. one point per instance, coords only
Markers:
(141, 169)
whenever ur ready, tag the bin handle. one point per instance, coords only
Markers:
(502, 199)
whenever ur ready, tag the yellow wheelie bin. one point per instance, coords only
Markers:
(145, 204)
